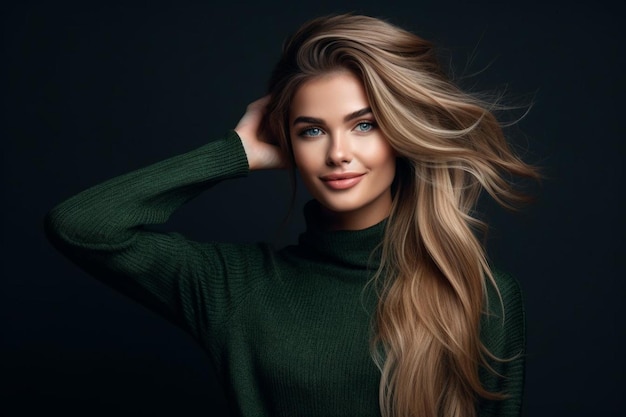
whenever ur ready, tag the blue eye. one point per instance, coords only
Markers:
(312, 131)
(365, 126)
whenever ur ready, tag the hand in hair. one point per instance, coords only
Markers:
(260, 151)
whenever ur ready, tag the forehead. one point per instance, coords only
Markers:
(332, 95)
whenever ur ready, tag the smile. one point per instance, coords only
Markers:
(342, 181)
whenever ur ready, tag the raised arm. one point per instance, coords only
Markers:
(103, 229)
(109, 213)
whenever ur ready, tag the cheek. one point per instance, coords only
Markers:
(390, 170)
(306, 157)
(308, 171)
(385, 160)
(299, 158)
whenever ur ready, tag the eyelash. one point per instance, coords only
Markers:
(303, 132)
(372, 125)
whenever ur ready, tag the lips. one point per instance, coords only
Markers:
(342, 181)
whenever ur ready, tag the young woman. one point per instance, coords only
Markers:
(387, 304)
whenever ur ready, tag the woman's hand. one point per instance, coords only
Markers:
(261, 153)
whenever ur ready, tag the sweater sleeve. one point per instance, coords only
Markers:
(503, 334)
(103, 230)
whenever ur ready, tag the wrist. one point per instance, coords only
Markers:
(252, 165)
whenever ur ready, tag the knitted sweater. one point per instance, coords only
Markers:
(287, 330)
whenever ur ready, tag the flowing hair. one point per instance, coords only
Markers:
(434, 273)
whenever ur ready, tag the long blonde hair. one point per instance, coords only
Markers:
(434, 271)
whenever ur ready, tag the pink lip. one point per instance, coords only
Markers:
(342, 181)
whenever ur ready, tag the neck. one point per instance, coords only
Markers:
(347, 247)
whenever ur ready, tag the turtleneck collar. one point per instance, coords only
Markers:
(355, 248)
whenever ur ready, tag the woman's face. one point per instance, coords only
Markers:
(343, 157)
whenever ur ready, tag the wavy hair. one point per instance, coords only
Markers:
(450, 146)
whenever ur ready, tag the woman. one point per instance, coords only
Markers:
(387, 304)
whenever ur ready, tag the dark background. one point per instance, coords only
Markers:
(94, 91)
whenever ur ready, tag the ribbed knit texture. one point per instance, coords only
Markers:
(288, 330)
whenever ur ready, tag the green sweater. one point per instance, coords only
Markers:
(288, 330)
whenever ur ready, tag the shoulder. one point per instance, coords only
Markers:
(504, 294)
(227, 275)
(239, 259)
(503, 322)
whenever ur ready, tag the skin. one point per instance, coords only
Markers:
(343, 158)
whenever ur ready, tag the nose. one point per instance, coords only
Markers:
(339, 151)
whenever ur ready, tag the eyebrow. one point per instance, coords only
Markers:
(351, 116)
